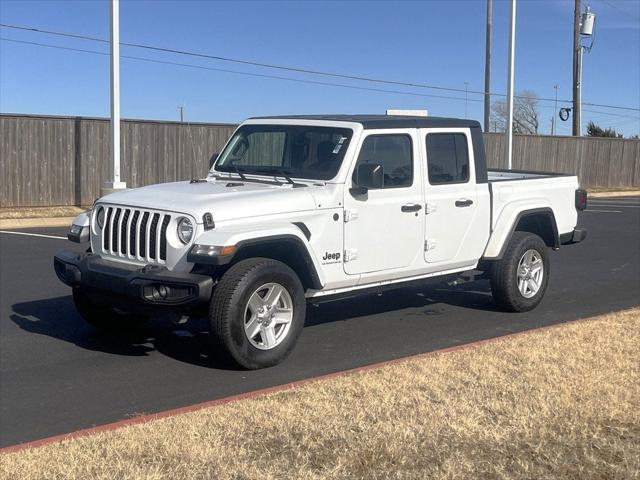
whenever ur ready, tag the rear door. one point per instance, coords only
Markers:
(455, 233)
(384, 228)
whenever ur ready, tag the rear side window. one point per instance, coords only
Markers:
(393, 153)
(447, 158)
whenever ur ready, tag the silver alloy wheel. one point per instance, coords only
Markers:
(530, 273)
(268, 316)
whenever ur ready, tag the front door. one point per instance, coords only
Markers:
(384, 227)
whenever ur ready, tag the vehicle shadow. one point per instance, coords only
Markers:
(428, 299)
(58, 318)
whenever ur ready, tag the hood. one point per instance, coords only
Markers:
(225, 199)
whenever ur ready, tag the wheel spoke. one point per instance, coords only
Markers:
(282, 316)
(273, 295)
(536, 266)
(533, 285)
(521, 286)
(528, 258)
(268, 336)
(255, 303)
(252, 327)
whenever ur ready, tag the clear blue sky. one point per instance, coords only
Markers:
(433, 42)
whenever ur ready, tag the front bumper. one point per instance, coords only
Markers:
(116, 283)
(576, 236)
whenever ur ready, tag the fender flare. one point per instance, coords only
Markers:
(244, 239)
(545, 211)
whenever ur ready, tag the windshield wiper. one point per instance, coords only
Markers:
(237, 170)
(282, 173)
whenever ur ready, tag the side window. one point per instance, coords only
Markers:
(447, 158)
(393, 153)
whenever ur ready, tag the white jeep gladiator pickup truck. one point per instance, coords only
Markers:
(305, 208)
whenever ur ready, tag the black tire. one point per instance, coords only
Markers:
(104, 318)
(504, 273)
(229, 304)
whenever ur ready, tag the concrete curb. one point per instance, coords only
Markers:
(628, 193)
(14, 223)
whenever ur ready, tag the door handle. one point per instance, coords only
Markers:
(411, 207)
(464, 203)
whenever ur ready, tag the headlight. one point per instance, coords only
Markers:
(185, 230)
(100, 217)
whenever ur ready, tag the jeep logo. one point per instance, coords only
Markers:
(331, 256)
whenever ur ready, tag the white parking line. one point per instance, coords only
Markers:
(33, 234)
(603, 211)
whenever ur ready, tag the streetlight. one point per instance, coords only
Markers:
(115, 183)
(508, 144)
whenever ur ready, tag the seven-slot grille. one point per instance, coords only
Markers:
(135, 233)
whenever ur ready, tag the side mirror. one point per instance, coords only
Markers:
(213, 159)
(368, 175)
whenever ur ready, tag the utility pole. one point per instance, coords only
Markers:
(466, 96)
(115, 183)
(181, 113)
(487, 66)
(512, 52)
(577, 71)
(555, 111)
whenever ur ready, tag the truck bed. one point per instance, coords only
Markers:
(510, 190)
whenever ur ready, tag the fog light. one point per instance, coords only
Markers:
(160, 292)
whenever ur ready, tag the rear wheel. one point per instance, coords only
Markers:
(104, 318)
(257, 313)
(519, 280)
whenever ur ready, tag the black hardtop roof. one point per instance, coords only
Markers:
(385, 121)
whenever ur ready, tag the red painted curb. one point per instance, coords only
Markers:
(263, 391)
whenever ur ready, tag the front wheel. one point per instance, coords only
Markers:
(257, 313)
(519, 280)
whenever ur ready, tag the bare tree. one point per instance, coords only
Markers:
(526, 118)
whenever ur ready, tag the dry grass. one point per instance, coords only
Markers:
(39, 212)
(558, 403)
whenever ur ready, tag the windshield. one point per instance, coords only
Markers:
(291, 150)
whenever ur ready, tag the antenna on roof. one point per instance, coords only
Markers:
(409, 113)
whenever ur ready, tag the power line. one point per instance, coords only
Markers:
(614, 6)
(241, 61)
(288, 68)
(237, 72)
(612, 114)
(275, 77)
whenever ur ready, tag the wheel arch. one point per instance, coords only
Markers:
(540, 221)
(288, 249)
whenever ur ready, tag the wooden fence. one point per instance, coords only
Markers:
(598, 162)
(47, 161)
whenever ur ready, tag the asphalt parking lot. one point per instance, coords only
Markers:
(58, 374)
